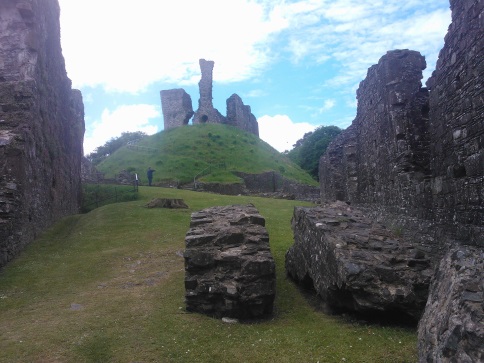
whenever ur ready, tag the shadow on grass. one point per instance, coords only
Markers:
(96, 348)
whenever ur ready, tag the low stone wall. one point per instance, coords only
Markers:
(229, 269)
(220, 188)
(272, 182)
(268, 182)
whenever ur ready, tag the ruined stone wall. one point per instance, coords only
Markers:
(177, 107)
(383, 157)
(206, 113)
(427, 177)
(415, 153)
(457, 119)
(41, 125)
(266, 182)
(240, 115)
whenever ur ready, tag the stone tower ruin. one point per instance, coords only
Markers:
(41, 125)
(206, 113)
(177, 106)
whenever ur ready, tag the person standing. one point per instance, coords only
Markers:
(149, 174)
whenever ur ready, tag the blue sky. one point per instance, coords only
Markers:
(296, 63)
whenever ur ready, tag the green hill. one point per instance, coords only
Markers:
(212, 150)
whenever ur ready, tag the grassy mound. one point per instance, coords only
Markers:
(108, 286)
(211, 150)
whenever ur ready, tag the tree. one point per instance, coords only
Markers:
(308, 150)
(102, 152)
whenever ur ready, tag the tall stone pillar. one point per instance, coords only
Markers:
(206, 113)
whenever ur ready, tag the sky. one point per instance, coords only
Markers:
(297, 63)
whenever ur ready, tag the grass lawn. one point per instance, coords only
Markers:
(107, 286)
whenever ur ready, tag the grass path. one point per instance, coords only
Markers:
(107, 286)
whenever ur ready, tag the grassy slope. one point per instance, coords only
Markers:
(181, 153)
(121, 263)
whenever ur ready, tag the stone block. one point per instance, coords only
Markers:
(229, 269)
(356, 264)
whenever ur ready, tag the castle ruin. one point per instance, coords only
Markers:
(41, 126)
(177, 106)
(408, 173)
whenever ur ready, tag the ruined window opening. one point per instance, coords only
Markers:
(204, 118)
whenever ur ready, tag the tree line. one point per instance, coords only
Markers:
(308, 150)
(103, 151)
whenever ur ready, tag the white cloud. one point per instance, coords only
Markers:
(281, 132)
(255, 93)
(125, 118)
(327, 105)
(126, 47)
(357, 33)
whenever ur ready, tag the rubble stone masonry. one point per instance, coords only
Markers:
(415, 152)
(41, 125)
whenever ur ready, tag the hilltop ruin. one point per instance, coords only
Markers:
(177, 106)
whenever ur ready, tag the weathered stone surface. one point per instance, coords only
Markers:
(457, 124)
(240, 115)
(41, 125)
(206, 113)
(355, 264)
(386, 148)
(452, 327)
(177, 108)
(89, 173)
(422, 166)
(229, 269)
(167, 203)
(126, 177)
(274, 183)
(417, 153)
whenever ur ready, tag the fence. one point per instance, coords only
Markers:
(96, 195)
(208, 170)
(133, 146)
